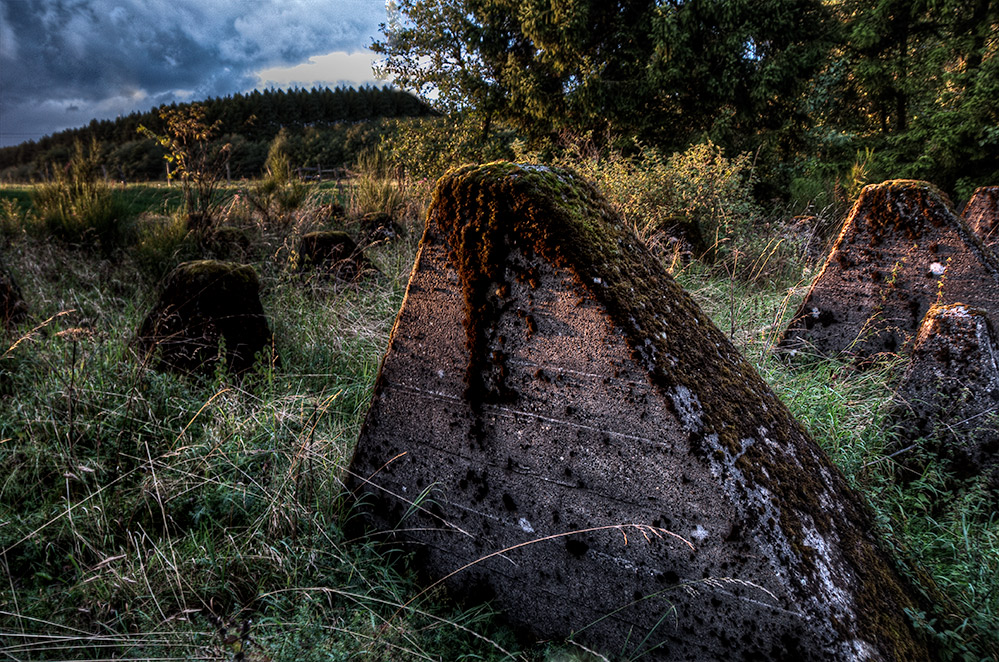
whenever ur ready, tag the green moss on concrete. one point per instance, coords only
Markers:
(213, 272)
(486, 211)
(886, 217)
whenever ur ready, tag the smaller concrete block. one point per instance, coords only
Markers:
(901, 250)
(948, 401)
(333, 254)
(205, 304)
(982, 214)
(379, 227)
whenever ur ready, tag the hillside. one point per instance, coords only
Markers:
(339, 121)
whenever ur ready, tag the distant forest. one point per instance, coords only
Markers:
(325, 127)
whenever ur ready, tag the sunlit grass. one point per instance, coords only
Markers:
(154, 516)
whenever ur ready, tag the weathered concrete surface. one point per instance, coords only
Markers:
(205, 303)
(552, 408)
(947, 404)
(982, 214)
(901, 250)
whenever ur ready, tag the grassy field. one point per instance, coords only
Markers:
(153, 516)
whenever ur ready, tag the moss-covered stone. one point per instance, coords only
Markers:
(206, 307)
(982, 214)
(227, 243)
(334, 254)
(583, 390)
(901, 250)
(947, 405)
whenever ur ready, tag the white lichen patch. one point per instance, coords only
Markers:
(525, 525)
(856, 650)
(699, 534)
(687, 407)
(838, 599)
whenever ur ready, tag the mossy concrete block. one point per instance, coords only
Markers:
(206, 305)
(901, 250)
(379, 228)
(334, 254)
(948, 401)
(557, 427)
(982, 214)
(13, 309)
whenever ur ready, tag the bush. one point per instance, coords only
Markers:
(375, 190)
(698, 196)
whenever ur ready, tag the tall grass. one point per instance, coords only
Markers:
(79, 206)
(153, 516)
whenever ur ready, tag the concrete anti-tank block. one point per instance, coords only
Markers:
(982, 214)
(558, 428)
(901, 250)
(947, 404)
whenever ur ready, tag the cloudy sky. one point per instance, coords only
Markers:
(64, 62)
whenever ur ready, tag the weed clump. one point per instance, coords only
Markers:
(79, 207)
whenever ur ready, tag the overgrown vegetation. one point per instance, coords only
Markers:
(79, 206)
(152, 516)
(147, 515)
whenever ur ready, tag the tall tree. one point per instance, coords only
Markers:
(666, 69)
(732, 69)
(917, 80)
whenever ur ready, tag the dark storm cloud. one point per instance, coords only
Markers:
(115, 56)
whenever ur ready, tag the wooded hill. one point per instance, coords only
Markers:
(348, 120)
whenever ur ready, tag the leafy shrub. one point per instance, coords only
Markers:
(424, 149)
(280, 192)
(14, 220)
(698, 195)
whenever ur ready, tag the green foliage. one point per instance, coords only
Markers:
(731, 70)
(79, 207)
(281, 191)
(668, 71)
(15, 219)
(424, 149)
(376, 188)
(917, 81)
(196, 159)
(699, 195)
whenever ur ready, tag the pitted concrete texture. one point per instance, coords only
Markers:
(982, 214)
(901, 250)
(948, 402)
(558, 428)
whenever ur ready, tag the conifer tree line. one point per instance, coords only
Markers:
(347, 119)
